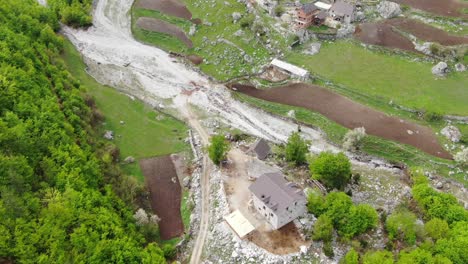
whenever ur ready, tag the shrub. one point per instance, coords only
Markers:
(380, 257)
(431, 116)
(279, 10)
(315, 203)
(323, 229)
(401, 225)
(328, 249)
(352, 257)
(296, 149)
(247, 21)
(334, 170)
(360, 219)
(169, 250)
(436, 228)
(218, 149)
(353, 139)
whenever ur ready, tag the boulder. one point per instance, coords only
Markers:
(236, 16)
(345, 31)
(441, 69)
(388, 9)
(238, 33)
(452, 133)
(292, 114)
(459, 67)
(313, 48)
(129, 159)
(286, 18)
(193, 29)
(109, 135)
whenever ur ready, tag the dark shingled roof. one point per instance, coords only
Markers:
(309, 8)
(277, 193)
(342, 8)
(322, 15)
(261, 148)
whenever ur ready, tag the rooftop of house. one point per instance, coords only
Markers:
(342, 8)
(277, 193)
(290, 68)
(261, 148)
(308, 8)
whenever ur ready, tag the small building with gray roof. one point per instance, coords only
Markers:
(342, 12)
(261, 149)
(278, 200)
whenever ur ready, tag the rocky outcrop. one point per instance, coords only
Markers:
(388, 9)
(441, 69)
(460, 67)
(109, 135)
(313, 48)
(452, 133)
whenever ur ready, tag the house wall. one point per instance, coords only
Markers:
(279, 219)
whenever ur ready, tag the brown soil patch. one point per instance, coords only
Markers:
(283, 241)
(351, 114)
(197, 60)
(168, 7)
(451, 8)
(382, 34)
(427, 33)
(165, 194)
(156, 25)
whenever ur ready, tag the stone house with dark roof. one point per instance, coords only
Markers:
(261, 149)
(342, 12)
(278, 200)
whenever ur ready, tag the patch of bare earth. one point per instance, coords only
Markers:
(195, 59)
(156, 25)
(165, 194)
(285, 240)
(452, 8)
(168, 7)
(351, 114)
(427, 33)
(382, 34)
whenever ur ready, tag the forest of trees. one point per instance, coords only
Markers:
(60, 190)
(75, 13)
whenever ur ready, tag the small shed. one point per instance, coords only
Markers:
(295, 71)
(239, 224)
(261, 149)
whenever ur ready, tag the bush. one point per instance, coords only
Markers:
(218, 149)
(315, 203)
(380, 257)
(352, 257)
(247, 21)
(296, 149)
(279, 10)
(169, 250)
(436, 228)
(323, 229)
(353, 139)
(431, 116)
(334, 170)
(401, 225)
(360, 219)
(328, 249)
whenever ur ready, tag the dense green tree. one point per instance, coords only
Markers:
(436, 228)
(417, 256)
(297, 149)
(401, 225)
(361, 218)
(323, 229)
(352, 257)
(380, 257)
(337, 205)
(334, 170)
(218, 149)
(315, 202)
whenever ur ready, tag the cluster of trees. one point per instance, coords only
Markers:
(218, 149)
(58, 179)
(442, 239)
(75, 13)
(337, 211)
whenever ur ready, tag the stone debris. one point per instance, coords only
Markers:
(236, 16)
(313, 48)
(459, 67)
(452, 133)
(441, 69)
(109, 135)
(388, 9)
(129, 159)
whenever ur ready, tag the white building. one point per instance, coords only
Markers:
(278, 200)
(295, 71)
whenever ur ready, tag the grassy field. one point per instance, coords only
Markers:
(390, 150)
(226, 55)
(386, 77)
(145, 132)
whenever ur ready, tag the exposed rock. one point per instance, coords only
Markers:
(313, 48)
(439, 185)
(239, 33)
(460, 67)
(303, 35)
(441, 69)
(360, 16)
(193, 29)
(286, 18)
(388, 9)
(424, 47)
(129, 159)
(292, 114)
(109, 135)
(345, 31)
(236, 16)
(452, 133)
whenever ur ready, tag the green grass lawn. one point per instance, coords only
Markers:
(142, 134)
(387, 77)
